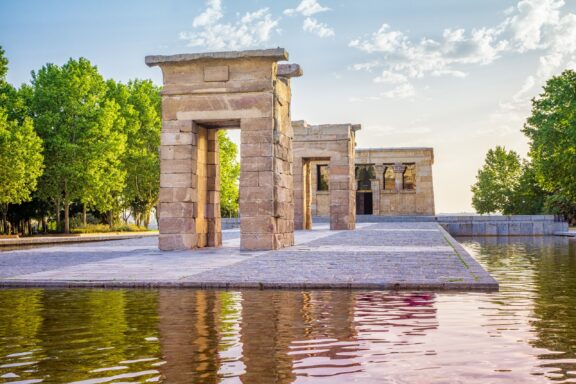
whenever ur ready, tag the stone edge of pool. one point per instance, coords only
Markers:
(456, 287)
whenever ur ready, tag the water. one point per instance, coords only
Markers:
(526, 333)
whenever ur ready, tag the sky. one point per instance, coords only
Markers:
(454, 75)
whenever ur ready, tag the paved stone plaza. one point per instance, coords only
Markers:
(375, 256)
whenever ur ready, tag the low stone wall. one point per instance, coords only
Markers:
(230, 222)
(517, 225)
(493, 225)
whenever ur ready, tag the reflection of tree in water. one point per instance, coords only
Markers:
(81, 334)
(538, 288)
(555, 308)
(20, 321)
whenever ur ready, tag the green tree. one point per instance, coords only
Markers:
(82, 136)
(551, 130)
(139, 102)
(528, 197)
(229, 175)
(496, 181)
(21, 159)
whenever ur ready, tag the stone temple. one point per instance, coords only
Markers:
(290, 171)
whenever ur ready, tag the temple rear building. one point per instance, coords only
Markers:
(387, 181)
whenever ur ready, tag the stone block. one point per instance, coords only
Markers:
(177, 152)
(176, 225)
(256, 242)
(178, 209)
(256, 150)
(177, 126)
(175, 242)
(216, 73)
(177, 180)
(177, 138)
(256, 194)
(257, 164)
(176, 166)
(258, 224)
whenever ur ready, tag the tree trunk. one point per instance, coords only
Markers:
(57, 206)
(66, 216)
(4, 212)
(147, 219)
(111, 219)
(84, 215)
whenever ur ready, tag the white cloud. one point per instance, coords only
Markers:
(402, 91)
(211, 14)
(314, 26)
(388, 77)
(368, 66)
(532, 25)
(251, 30)
(306, 8)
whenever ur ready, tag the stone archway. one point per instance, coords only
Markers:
(335, 145)
(205, 92)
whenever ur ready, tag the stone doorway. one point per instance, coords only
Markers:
(364, 204)
(206, 92)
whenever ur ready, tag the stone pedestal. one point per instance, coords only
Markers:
(205, 92)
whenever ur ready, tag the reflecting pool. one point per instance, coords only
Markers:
(526, 333)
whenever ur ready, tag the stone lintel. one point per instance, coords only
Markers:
(275, 54)
(302, 130)
(289, 70)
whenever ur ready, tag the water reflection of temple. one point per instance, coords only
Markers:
(280, 334)
(194, 336)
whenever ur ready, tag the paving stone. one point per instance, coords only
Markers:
(379, 256)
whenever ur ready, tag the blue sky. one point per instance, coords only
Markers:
(454, 75)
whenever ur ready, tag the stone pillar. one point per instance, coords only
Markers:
(266, 196)
(307, 173)
(178, 185)
(299, 197)
(213, 219)
(342, 190)
(399, 176)
(377, 186)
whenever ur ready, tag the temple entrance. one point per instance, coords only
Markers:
(205, 92)
(364, 203)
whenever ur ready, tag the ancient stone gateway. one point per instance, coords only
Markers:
(209, 91)
(333, 145)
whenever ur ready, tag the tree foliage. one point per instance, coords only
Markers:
(528, 197)
(229, 175)
(82, 137)
(21, 159)
(140, 104)
(496, 181)
(551, 130)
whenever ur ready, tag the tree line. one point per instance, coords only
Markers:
(546, 182)
(77, 149)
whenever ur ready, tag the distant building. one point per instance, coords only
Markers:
(389, 181)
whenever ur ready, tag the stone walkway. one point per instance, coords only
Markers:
(375, 256)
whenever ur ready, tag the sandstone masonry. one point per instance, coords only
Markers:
(332, 145)
(205, 92)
